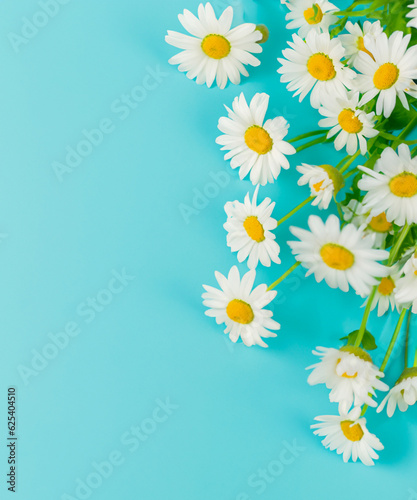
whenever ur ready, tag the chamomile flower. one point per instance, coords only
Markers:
(406, 290)
(347, 434)
(341, 257)
(254, 146)
(355, 213)
(214, 51)
(384, 297)
(349, 373)
(354, 41)
(412, 15)
(388, 72)
(314, 64)
(403, 394)
(310, 15)
(324, 182)
(249, 228)
(346, 120)
(240, 308)
(392, 186)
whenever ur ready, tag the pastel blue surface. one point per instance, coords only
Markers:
(210, 417)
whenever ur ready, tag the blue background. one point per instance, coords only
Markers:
(236, 409)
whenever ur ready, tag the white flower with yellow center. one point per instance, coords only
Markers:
(349, 374)
(341, 257)
(384, 297)
(254, 146)
(214, 51)
(406, 290)
(240, 308)
(314, 64)
(412, 15)
(392, 186)
(354, 41)
(249, 228)
(403, 394)
(388, 73)
(347, 434)
(355, 213)
(324, 182)
(346, 120)
(311, 15)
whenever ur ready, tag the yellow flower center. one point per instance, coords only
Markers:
(314, 14)
(254, 228)
(257, 139)
(240, 311)
(320, 66)
(404, 185)
(379, 224)
(349, 122)
(216, 46)
(386, 287)
(385, 76)
(317, 186)
(351, 432)
(361, 46)
(345, 375)
(337, 257)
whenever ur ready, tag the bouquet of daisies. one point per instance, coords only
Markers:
(358, 68)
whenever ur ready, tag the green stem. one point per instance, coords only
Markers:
(415, 359)
(395, 249)
(393, 340)
(310, 144)
(353, 171)
(308, 134)
(409, 128)
(362, 328)
(349, 163)
(340, 212)
(341, 162)
(392, 137)
(407, 339)
(282, 278)
(296, 209)
(359, 13)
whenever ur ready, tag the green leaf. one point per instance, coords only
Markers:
(368, 340)
(400, 117)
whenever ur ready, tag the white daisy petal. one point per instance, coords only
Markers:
(240, 308)
(255, 147)
(214, 52)
(327, 253)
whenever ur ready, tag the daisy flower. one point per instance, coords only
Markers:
(314, 64)
(214, 51)
(349, 373)
(388, 73)
(384, 297)
(406, 290)
(355, 213)
(348, 435)
(324, 182)
(354, 41)
(413, 15)
(310, 15)
(392, 186)
(240, 308)
(252, 145)
(403, 394)
(249, 228)
(341, 257)
(348, 122)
